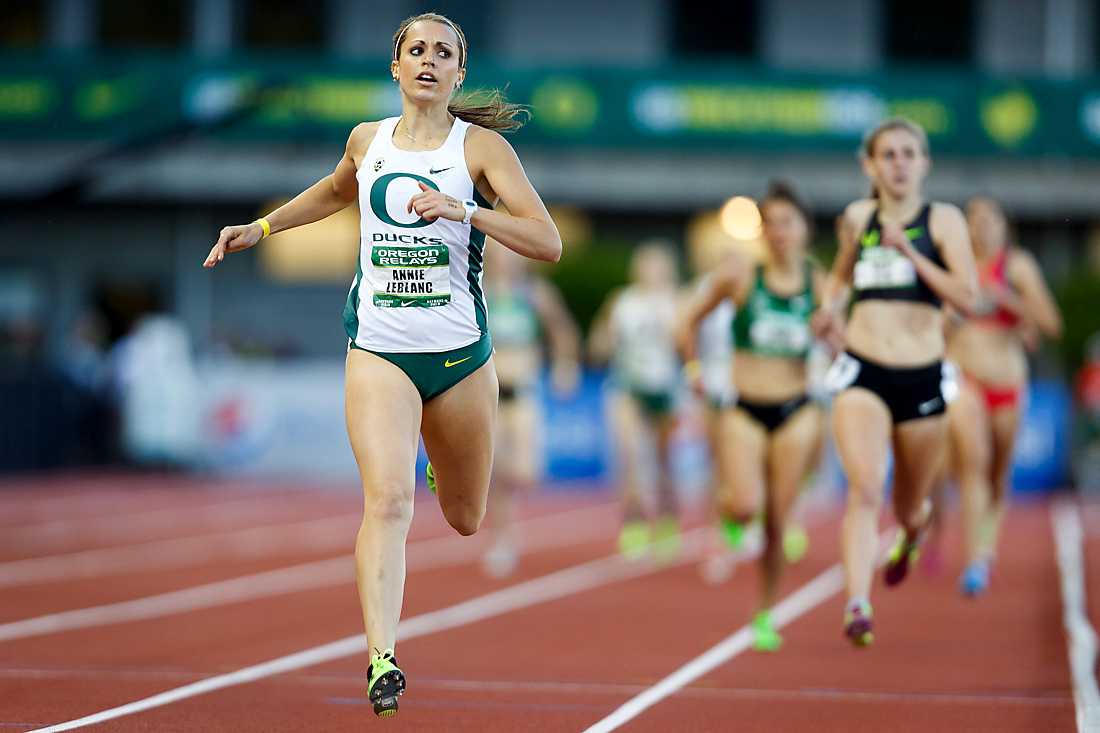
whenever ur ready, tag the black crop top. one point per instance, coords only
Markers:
(883, 273)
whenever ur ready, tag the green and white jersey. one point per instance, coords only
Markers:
(513, 320)
(417, 287)
(645, 349)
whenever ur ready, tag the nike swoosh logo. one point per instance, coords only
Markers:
(433, 171)
(926, 407)
(448, 364)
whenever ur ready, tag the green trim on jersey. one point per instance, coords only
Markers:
(434, 373)
(476, 262)
(765, 314)
(351, 307)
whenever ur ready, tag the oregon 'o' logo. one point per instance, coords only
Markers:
(378, 198)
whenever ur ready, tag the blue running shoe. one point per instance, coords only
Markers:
(975, 579)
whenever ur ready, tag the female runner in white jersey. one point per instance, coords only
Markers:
(419, 360)
(903, 258)
(635, 330)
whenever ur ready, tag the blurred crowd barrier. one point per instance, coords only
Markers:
(285, 419)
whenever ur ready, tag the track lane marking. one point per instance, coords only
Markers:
(823, 587)
(543, 532)
(121, 528)
(1081, 642)
(546, 588)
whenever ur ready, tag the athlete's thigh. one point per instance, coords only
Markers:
(528, 439)
(1005, 423)
(862, 428)
(747, 443)
(663, 427)
(506, 438)
(969, 429)
(920, 447)
(382, 410)
(721, 450)
(792, 453)
(459, 427)
(627, 427)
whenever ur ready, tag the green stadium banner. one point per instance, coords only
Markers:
(735, 108)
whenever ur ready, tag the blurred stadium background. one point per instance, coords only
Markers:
(130, 132)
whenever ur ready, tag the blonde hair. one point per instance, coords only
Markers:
(489, 109)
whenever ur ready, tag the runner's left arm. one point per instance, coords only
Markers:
(527, 228)
(562, 333)
(1038, 306)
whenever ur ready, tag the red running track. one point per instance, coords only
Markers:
(602, 634)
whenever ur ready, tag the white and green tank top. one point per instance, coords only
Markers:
(417, 287)
(776, 325)
(513, 320)
(645, 349)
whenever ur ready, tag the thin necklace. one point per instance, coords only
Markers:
(409, 135)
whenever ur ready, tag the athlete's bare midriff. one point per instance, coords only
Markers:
(989, 353)
(896, 334)
(768, 378)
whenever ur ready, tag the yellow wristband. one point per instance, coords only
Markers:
(693, 368)
(265, 225)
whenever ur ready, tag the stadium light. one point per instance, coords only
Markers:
(740, 218)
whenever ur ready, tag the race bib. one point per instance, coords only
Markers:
(780, 333)
(411, 277)
(842, 373)
(881, 267)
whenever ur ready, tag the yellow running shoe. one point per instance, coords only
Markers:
(795, 543)
(385, 682)
(634, 539)
(666, 538)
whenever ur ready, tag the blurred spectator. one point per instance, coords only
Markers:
(154, 380)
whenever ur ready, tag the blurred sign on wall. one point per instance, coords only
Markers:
(682, 106)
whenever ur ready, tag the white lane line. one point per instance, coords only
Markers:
(116, 528)
(1081, 644)
(539, 533)
(805, 599)
(551, 587)
(312, 535)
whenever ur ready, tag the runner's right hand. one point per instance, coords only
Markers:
(234, 239)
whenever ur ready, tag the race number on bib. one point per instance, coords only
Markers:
(779, 333)
(879, 267)
(411, 277)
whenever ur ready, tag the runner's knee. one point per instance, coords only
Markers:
(864, 495)
(389, 501)
(464, 518)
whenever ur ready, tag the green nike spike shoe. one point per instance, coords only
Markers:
(386, 683)
(734, 533)
(430, 473)
(764, 636)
